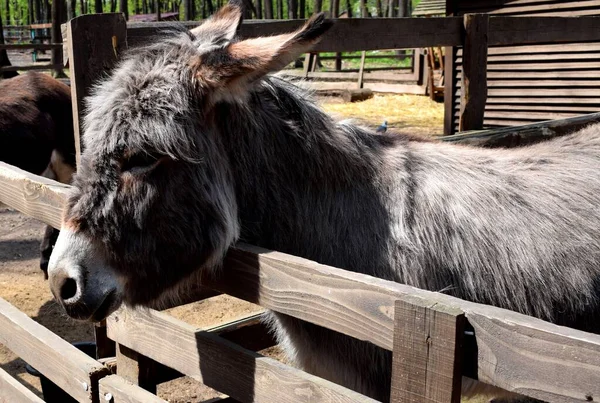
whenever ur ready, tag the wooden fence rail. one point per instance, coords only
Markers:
(364, 307)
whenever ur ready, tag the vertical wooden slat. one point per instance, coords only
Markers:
(427, 353)
(137, 368)
(361, 69)
(474, 76)
(94, 44)
(105, 347)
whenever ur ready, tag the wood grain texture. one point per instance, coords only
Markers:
(427, 354)
(33, 195)
(12, 391)
(66, 366)
(473, 92)
(540, 360)
(523, 134)
(346, 35)
(218, 363)
(136, 368)
(95, 42)
(114, 389)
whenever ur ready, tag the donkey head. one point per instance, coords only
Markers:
(153, 201)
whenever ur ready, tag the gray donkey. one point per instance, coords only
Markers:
(190, 146)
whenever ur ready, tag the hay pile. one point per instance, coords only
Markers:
(404, 113)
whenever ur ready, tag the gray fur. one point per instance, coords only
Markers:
(514, 228)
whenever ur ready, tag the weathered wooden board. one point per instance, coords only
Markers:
(524, 134)
(38, 197)
(100, 39)
(346, 35)
(12, 391)
(551, 363)
(474, 78)
(66, 366)
(218, 363)
(427, 354)
(31, 67)
(114, 389)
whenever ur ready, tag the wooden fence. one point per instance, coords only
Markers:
(435, 338)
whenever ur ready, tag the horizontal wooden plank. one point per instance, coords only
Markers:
(494, 83)
(536, 75)
(540, 49)
(535, 131)
(72, 370)
(220, 364)
(535, 362)
(32, 67)
(37, 46)
(33, 195)
(346, 35)
(528, 116)
(114, 389)
(521, 31)
(12, 391)
(542, 92)
(539, 58)
(544, 101)
(579, 109)
(550, 66)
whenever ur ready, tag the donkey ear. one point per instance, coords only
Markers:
(243, 62)
(221, 27)
(259, 56)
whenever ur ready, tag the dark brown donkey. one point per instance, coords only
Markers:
(190, 145)
(36, 133)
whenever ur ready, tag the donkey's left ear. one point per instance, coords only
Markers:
(221, 27)
(246, 61)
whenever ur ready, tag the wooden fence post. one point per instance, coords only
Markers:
(95, 41)
(427, 353)
(136, 368)
(473, 94)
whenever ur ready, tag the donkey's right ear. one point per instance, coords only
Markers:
(220, 29)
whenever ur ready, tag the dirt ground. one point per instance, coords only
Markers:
(23, 285)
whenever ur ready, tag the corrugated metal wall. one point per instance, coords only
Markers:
(531, 83)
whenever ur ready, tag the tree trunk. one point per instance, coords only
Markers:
(56, 36)
(280, 9)
(363, 9)
(38, 10)
(157, 9)
(113, 6)
(4, 61)
(318, 6)
(187, 10)
(391, 12)
(349, 8)
(379, 7)
(7, 13)
(268, 9)
(98, 6)
(258, 7)
(209, 7)
(123, 8)
(293, 9)
(335, 8)
(302, 9)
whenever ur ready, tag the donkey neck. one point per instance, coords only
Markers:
(302, 182)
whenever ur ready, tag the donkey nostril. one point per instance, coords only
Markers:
(68, 289)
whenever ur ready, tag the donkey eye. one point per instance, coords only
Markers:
(140, 162)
